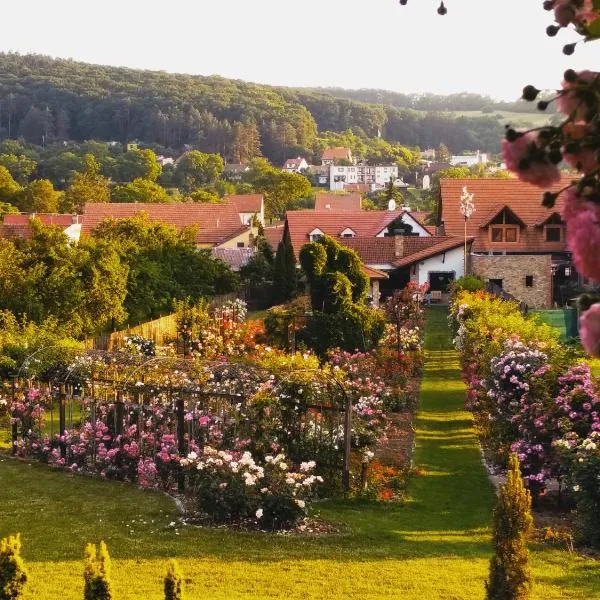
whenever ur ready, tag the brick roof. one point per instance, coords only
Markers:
(523, 199)
(247, 203)
(17, 225)
(216, 223)
(364, 224)
(337, 154)
(337, 202)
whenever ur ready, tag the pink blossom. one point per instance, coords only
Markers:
(570, 101)
(538, 172)
(590, 330)
(585, 160)
(563, 12)
(583, 233)
(587, 13)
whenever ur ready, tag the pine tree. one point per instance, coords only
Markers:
(510, 573)
(97, 573)
(13, 576)
(174, 582)
(285, 274)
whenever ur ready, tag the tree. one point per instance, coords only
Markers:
(21, 167)
(39, 196)
(204, 197)
(510, 573)
(174, 582)
(285, 273)
(443, 154)
(96, 573)
(141, 190)
(13, 576)
(9, 188)
(196, 168)
(6, 208)
(245, 143)
(136, 164)
(85, 187)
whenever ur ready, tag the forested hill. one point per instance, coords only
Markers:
(49, 100)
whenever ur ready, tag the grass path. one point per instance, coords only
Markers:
(433, 547)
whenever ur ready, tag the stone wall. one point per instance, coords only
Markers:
(513, 271)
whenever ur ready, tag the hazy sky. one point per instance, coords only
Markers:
(487, 46)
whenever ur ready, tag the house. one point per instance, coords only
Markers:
(236, 258)
(469, 160)
(249, 206)
(333, 156)
(295, 165)
(391, 242)
(341, 177)
(215, 224)
(337, 202)
(15, 226)
(235, 171)
(519, 245)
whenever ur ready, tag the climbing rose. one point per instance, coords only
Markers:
(538, 172)
(583, 233)
(570, 101)
(585, 159)
(563, 12)
(590, 330)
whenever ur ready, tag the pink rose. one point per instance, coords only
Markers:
(540, 172)
(589, 326)
(583, 233)
(570, 101)
(563, 12)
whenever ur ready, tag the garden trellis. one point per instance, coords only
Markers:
(121, 396)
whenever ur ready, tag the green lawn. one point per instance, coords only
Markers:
(434, 547)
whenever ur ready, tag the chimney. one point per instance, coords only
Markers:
(441, 229)
(398, 246)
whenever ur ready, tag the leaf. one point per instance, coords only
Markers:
(593, 28)
(596, 4)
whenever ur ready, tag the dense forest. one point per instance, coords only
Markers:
(45, 100)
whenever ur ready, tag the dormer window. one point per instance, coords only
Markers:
(554, 229)
(505, 227)
(315, 235)
(348, 233)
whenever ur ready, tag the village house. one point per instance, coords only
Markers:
(15, 226)
(250, 207)
(216, 225)
(519, 245)
(295, 165)
(337, 202)
(334, 156)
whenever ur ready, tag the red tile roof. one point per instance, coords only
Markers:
(247, 203)
(337, 202)
(337, 154)
(17, 225)
(357, 187)
(236, 258)
(523, 199)
(374, 273)
(274, 234)
(216, 223)
(439, 246)
(364, 224)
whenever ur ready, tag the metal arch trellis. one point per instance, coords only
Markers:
(225, 380)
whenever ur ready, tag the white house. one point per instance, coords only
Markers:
(469, 160)
(340, 176)
(384, 173)
(295, 165)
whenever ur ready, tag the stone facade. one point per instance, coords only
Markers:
(515, 272)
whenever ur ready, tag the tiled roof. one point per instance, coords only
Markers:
(274, 234)
(373, 250)
(337, 202)
(364, 224)
(247, 203)
(439, 245)
(216, 223)
(336, 153)
(523, 199)
(236, 258)
(374, 273)
(357, 187)
(17, 225)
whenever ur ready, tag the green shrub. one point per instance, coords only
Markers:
(468, 283)
(510, 572)
(96, 573)
(174, 582)
(13, 576)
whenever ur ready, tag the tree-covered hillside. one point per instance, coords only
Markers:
(46, 100)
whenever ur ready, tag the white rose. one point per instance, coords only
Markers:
(259, 513)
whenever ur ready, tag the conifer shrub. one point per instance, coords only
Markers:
(13, 576)
(174, 582)
(510, 572)
(96, 573)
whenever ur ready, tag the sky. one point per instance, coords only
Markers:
(492, 47)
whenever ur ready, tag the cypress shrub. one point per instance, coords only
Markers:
(173, 582)
(96, 573)
(13, 576)
(510, 572)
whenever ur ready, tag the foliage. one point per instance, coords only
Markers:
(285, 272)
(468, 283)
(282, 323)
(140, 190)
(85, 187)
(510, 573)
(174, 585)
(38, 196)
(13, 576)
(196, 168)
(96, 574)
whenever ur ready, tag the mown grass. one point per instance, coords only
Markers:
(433, 547)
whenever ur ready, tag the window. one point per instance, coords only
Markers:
(496, 282)
(511, 234)
(240, 244)
(497, 234)
(528, 280)
(553, 233)
(505, 228)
